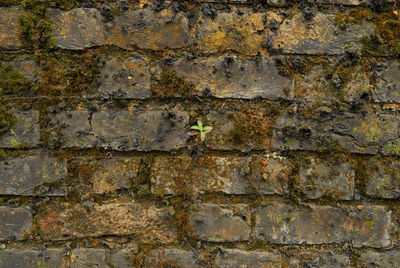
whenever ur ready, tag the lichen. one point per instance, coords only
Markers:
(170, 84)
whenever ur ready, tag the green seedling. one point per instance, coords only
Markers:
(202, 130)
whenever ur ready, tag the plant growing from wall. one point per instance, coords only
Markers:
(202, 130)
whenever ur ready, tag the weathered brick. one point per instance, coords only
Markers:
(124, 79)
(179, 174)
(78, 28)
(320, 35)
(215, 223)
(363, 226)
(171, 257)
(382, 178)
(25, 132)
(146, 223)
(16, 222)
(144, 28)
(270, 175)
(230, 258)
(88, 257)
(230, 77)
(32, 258)
(244, 131)
(231, 32)
(29, 176)
(114, 174)
(9, 27)
(123, 130)
(320, 259)
(123, 258)
(152, 130)
(75, 128)
(332, 179)
(363, 132)
(147, 29)
(378, 259)
(387, 87)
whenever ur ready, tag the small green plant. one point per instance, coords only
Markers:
(202, 130)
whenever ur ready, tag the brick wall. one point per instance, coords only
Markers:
(301, 168)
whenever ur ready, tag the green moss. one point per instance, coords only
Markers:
(13, 82)
(3, 154)
(7, 3)
(7, 120)
(170, 84)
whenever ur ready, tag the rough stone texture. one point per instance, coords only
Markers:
(25, 132)
(238, 131)
(270, 175)
(78, 28)
(31, 176)
(332, 178)
(114, 174)
(16, 223)
(365, 226)
(230, 77)
(375, 259)
(317, 36)
(364, 133)
(9, 27)
(388, 82)
(171, 258)
(123, 130)
(147, 29)
(236, 258)
(32, 258)
(123, 258)
(85, 27)
(147, 224)
(231, 32)
(320, 260)
(281, 3)
(152, 130)
(88, 257)
(124, 79)
(181, 174)
(382, 178)
(214, 223)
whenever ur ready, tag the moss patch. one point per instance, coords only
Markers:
(7, 120)
(170, 84)
(13, 82)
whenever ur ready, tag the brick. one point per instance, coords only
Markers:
(78, 28)
(378, 259)
(88, 257)
(319, 35)
(230, 77)
(333, 178)
(270, 175)
(144, 28)
(387, 87)
(182, 174)
(147, 29)
(146, 223)
(9, 27)
(243, 131)
(75, 129)
(123, 130)
(124, 79)
(25, 132)
(32, 258)
(240, 258)
(363, 132)
(365, 226)
(32, 175)
(16, 223)
(382, 178)
(123, 258)
(215, 223)
(320, 259)
(231, 32)
(171, 257)
(152, 130)
(114, 174)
